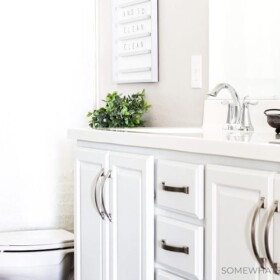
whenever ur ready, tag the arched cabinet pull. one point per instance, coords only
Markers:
(108, 175)
(185, 190)
(94, 186)
(261, 261)
(166, 247)
(274, 266)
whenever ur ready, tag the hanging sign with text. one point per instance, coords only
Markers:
(135, 41)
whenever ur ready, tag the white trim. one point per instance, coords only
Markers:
(134, 19)
(96, 62)
(155, 77)
(135, 70)
(141, 35)
(77, 224)
(114, 41)
(132, 81)
(132, 3)
(135, 53)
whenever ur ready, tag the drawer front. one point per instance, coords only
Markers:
(180, 186)
(179, 245)
(163, 275)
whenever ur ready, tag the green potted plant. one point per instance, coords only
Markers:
(120, 111)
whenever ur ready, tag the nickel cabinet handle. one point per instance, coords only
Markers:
(260, 260)
(166, 247)
(108, 175)
(175, 189)
(95, 185)
(274, 266)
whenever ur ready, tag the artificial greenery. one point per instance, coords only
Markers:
(120, 111)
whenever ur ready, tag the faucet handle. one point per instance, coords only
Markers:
(247, 102)
(245, 121)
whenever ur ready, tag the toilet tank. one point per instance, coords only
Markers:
(37, 255)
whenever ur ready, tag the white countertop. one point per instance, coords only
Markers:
(257, 145)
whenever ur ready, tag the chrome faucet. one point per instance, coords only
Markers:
(234, 106)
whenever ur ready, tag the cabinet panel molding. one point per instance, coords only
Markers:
(232, 195)
(91, 239)
(131, 196)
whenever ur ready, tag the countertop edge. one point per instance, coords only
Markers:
(255, 151)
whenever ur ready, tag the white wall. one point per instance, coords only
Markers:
(183, 32)
(245, 52)
(46, 86)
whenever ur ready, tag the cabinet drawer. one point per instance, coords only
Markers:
(179, 245)
(163, 275)
(180, 186)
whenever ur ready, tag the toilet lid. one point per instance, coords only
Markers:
(36, 240)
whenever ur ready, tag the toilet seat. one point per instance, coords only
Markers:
(35, 240)
(37, 255)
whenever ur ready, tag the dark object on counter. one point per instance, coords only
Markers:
(273, 118)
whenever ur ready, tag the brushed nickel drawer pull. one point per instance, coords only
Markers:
(94, 186)
(108, 175)
(166, 247)
(274, 266)
(260, 260)
(175, 189)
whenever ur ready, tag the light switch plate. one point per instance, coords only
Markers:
(196, 71)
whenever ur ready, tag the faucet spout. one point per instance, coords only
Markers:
(234, 107)
(231, 90)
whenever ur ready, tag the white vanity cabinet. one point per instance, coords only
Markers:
(237, 201)
(175, 208)
(114, 216)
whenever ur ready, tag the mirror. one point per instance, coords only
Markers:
(244, 46)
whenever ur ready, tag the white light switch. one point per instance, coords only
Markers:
(196, 68)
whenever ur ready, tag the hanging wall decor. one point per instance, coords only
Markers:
(135, 41)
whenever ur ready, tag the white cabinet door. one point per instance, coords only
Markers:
(274, 227)
(90, 229)
(232, 198)
(131, 196)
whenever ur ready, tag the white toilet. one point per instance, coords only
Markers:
(37, 255)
